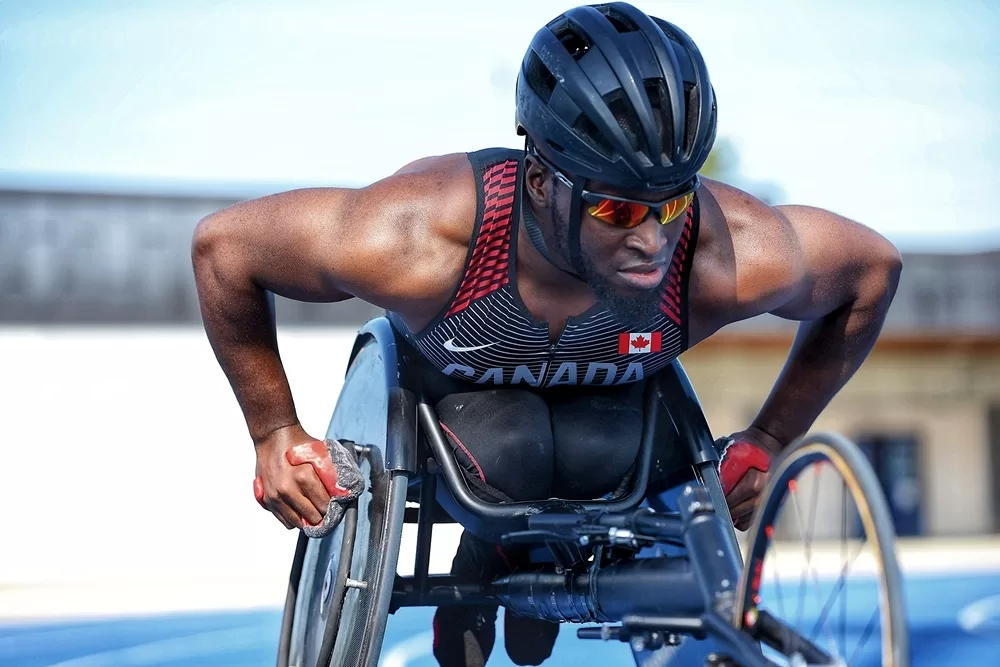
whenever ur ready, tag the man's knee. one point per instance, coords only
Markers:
(502, 438)
(597, 442)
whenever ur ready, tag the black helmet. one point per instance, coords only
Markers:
(610, 94)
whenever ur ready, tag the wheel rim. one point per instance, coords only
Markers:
(782, 502)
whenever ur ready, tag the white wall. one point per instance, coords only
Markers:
(124, 453)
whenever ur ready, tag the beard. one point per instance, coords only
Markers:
(635, 311)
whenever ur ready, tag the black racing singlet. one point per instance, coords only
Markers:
(487, 336)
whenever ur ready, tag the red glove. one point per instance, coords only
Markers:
(739, 458)
(314, 453)
(335, 467)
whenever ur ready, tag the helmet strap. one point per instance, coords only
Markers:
(538, 240)
(575, 223)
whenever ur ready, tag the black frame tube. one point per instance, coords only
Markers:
(684, 409)
(441, 590)
(425, 530)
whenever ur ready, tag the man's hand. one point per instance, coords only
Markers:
(744, 471)
(290, 480)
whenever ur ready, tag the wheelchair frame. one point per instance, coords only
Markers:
(701, 585)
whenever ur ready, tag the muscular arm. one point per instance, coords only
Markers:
(835, 276)
(390, 244)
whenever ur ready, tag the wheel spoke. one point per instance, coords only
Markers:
(812, 510)
(864, 637)
(840, 585)
(777, 581)
(793, 493)
(812, 521)
(793, 487)
(843, 554)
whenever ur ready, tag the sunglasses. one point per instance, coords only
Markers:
(628, 213)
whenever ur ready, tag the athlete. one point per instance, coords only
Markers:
(543, 286)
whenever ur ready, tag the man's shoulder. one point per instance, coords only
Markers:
(741, 242)
(434, 203)
(445, 162)
(739, 212)
(440, 190)
(460, 161)
(736, 226)
(447, 187)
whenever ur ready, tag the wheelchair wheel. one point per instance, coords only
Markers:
(340, 586)
(316, 592)
(847, 599)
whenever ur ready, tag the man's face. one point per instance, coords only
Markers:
(624, 267)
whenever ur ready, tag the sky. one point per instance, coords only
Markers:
(886, 112)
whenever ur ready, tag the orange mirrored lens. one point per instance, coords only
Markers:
(675, 209)
(619, 213)
(628, 214)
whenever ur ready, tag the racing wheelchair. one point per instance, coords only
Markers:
(597, 563)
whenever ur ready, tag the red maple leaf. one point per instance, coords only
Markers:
(639, 342)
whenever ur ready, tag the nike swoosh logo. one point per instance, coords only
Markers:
(450, 345)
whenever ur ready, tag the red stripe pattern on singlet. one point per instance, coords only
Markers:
(670, 296)
(487, 269)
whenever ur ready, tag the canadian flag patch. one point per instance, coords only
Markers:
(639, 343)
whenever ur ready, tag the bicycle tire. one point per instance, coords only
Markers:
(866, 491)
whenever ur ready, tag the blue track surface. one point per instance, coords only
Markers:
(249, 639)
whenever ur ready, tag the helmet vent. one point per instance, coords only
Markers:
(539, 77)
(628, 122)
(621, 23)
(555, 146)
(692, 112)
(668, 30)
(586, 130)
(659, 99)
(575, 43)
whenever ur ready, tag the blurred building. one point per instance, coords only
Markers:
(926, 405)
(81, 251)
